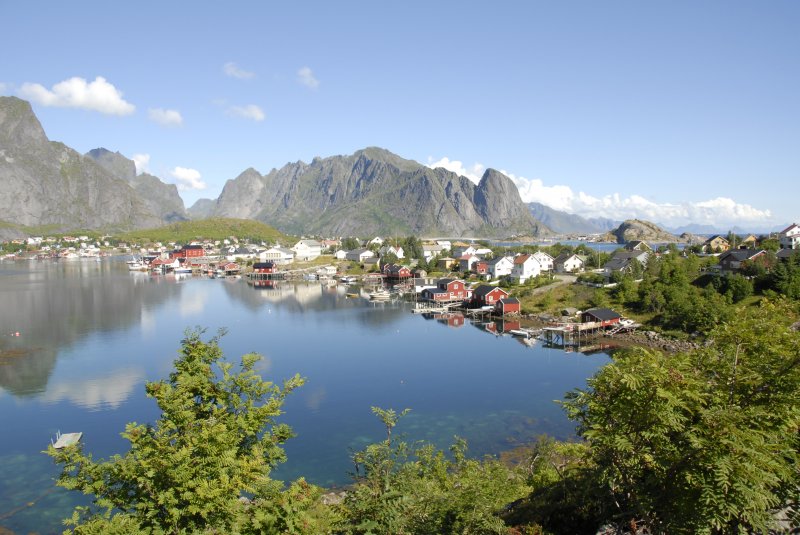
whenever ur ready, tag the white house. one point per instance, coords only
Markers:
(569, 263)
(391, 249)
(277, 255)
(341, 254)
(307, 249)
(545, 260)
(462, 250)
(359, 255)
(525, 267)
(500, 267)
(466, 262)
(429, 251)
(790, 237)
(445, 244)
(483, 252)
(377, 240)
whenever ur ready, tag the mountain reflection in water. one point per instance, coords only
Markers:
(91, 335)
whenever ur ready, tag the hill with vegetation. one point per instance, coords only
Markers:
(637, 229)
(218, 228)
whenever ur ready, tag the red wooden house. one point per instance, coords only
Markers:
(188, 251)
(485, 295)
(397, 272)
(507, 305)
(447, 291)
(264, 268)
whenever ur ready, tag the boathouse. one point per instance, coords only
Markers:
(604, 316)
(264, 268)
(188, 251)
(396, 272)
(485, 295)
(507, 305)
(447, 291)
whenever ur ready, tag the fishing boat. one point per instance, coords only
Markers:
(380, 295)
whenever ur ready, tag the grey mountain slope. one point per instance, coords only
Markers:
(47, 183)
(376, 192)
(201, 209)
(162, 199)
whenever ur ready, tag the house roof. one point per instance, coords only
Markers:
(484, 290)
(263, 265)
(716, 236)
(521, 259)
(495, 261)
(790, 227)
(786, 253)
(740, 255)
(603, 314)
(509, 301)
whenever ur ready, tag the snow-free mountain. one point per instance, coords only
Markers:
(376, 192)
(45, 182)
(370, 192)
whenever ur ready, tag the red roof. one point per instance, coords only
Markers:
(521, 259)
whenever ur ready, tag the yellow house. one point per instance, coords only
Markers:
(716, 244)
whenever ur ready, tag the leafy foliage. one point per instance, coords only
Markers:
(212, 229)
(405, 490)
(698, 442)
(205, 464)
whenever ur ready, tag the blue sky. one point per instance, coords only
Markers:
(674, 111)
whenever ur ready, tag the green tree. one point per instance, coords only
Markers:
(206, 462)
(698, 442)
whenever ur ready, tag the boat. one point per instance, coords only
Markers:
(66, 439)
(348, 279)
(380, 295)
(136, 264)
(182, 269)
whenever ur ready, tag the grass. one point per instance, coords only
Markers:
(208, 229)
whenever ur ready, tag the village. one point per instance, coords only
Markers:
(450, 281)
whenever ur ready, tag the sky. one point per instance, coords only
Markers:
(676, 112)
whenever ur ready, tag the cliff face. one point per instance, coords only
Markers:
(636, 229)
(376, 192)
(47, 183)
(162, 199)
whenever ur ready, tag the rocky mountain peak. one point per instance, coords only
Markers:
(114, 162)
(19, 126)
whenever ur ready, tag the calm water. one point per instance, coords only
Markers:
(91, 334)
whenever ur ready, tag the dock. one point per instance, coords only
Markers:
(571, 334)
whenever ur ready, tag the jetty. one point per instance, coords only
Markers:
(571, 334)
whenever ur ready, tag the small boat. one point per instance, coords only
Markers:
(182, 269)
(66, 439)
(347, 279)
(380, 295)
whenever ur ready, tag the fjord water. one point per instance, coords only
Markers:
(91, 334)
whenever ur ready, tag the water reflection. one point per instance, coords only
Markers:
(96, 393)
(53, 305)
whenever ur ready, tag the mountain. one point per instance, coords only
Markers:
(636, 229)
(565, 223)
(47, 183)
(201, 209)
(376, 192)
(162, 199)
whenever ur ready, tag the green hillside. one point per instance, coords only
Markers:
(211, 229)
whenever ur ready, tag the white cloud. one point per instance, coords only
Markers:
(234, 71)
(251, 111)
(142, 162)
(103, 392)
(187, 178)
(720, 212)
(98, 95)
(306, 78)
(4, 87)
(474, 173)
(165, 117)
